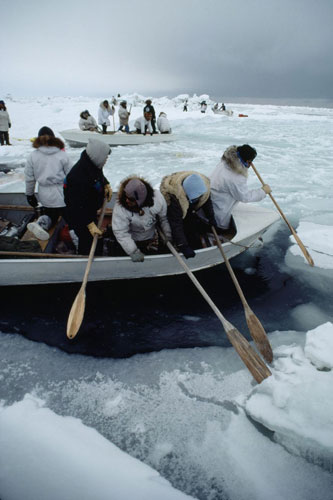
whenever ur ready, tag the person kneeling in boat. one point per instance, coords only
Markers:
(85, 188)
(163, 123)
(47, 165)
(87, 122)
(138, 209)
(190, 209)
(143, 124)
(229, 183)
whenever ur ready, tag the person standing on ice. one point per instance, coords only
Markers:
(87, 122)
(149, 108)
(5, 125)
(190, 210)
(228, 183)
(104, 111)
(203, 106)
(185, 105)
(143, 124)
(85, 188)
(123, 114)
(48, 166)
(138, 209)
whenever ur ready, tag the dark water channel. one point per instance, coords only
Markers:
(129, 317)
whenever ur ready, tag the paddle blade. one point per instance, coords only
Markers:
(76, 314)
(259, 335)
(250, 358)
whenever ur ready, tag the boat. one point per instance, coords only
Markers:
(46, 267)
(80, 138)
(225, 112)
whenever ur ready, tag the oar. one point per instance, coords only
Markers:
(77, 312)
(250, 358)
(293, 232)
(256, 329)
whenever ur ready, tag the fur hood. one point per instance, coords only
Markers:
(231, 159)
(49, 141)
(149, 202)
(104, 108)
(172, 185)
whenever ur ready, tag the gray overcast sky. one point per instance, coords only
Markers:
(257, 48)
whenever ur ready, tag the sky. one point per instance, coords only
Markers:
(258, 48)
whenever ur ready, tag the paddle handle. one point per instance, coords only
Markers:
(93, 246)
(293, 232)
(231, 271)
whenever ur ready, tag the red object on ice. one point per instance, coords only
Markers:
(242, 116)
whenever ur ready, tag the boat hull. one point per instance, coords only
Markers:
(251, 222)
(226, 112)
(80, 138)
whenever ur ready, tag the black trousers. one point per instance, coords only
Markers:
(4, 137)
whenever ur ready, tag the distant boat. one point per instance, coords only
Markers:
(226, 112)
(46, 267)
(78, 138)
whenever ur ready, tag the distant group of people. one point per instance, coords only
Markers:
(187, 204)
(143, 124)
(5, 125)
(216, 107)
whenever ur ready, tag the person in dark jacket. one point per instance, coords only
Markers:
(85, 188)
(190, 210)
(149, 108)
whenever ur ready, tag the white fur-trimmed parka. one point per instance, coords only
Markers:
(228, 183)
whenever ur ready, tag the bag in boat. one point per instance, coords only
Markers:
(11, 244)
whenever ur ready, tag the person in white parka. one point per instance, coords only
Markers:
(228, 183)
(104, 111)
(48, 165)
(138, 209)
(163, 124)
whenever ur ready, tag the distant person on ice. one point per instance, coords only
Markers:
(48, 165)
(143, 124)
(203, 107)
(85, 188)
(190, 209)
(104, 111)
(163, 123)
(229, 183)
(149, 108)
(87, 122)
(185, 105)
(124, 115)
(5, 125)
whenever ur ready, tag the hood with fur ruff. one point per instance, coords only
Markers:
(149, 201)
(233, 162)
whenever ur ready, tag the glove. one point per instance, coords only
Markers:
(93, 229)
(137, 256)
(32, 200)
(108, 192)
(188, 252)
(266, 188)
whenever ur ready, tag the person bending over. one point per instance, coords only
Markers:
(138, 210)
(190, 210)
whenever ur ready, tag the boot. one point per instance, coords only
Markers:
(40, 227)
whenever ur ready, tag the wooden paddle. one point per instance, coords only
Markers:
(293, 232)
(77, 312)
(250, 358)
(256, 329)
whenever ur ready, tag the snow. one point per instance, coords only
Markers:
(187, 421)
(56, 447)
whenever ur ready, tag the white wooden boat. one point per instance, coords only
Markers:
(251, 221)
(80, 138)
(226, 112)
